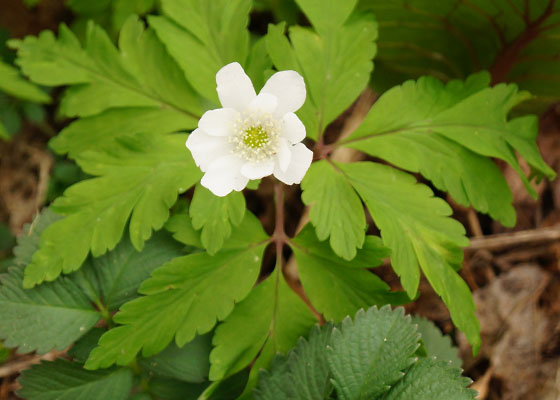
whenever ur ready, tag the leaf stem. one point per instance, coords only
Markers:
(279, 235)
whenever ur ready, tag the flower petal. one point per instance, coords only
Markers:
(235, 88)
(289, 89)
(218, 122)
(264, 102)
(223, 176)
(299, 164)
(293, 128)
(206, 148)
(284, 154)
(257, 170)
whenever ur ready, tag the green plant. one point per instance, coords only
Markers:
(105, 258)
(371, 357)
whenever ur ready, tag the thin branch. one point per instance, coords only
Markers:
(520, 238)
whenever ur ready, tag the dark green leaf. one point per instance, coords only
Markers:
(206, 287)
(337, 287)
(64, 380)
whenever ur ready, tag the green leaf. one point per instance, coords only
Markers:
(469, 177)
(432, 380)
(102, 76)
(305, 368)
(183, 231)
(367, 355)
(417, 228)
(4, 135)
(271, 315)
(336, 209)
(205, 286)
(189, 363)
(120, 272)
(327, 15)
(453, 38)
(83, 346)
(212, 33)
(258, 62)
(336, 62)
(123, 9)
(337, 287)
(172, 389)
(64, 380)
(28, 242)
(139, 178)
(14, 85)
(215, 216)
(53, 315)
(471, 115)
(108, 126)
(437, 345)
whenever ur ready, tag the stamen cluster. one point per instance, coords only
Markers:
(255, 135)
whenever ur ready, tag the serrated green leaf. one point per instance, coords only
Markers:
(112, 124)
(336, 209)
(119, 273)
(337, 287)
(139, 177)
(452, 38)
(471, 115)
(366, 356)
(213, 33)
(123, 9)
(64, 380)
(272, 314)
(189, 363)
(13, 84)
(53, 315)
(431, 380)
(215, 216)
(183, 231)
(469, 177)
(437, 345)
(336, 63)
(205, 286)
(28, 242)
(305, 368)
(417, 228)
(103, 76)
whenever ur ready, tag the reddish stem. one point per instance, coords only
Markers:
(510, 54)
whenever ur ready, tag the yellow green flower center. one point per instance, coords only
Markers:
(255, 137)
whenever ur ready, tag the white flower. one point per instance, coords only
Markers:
(251, 136)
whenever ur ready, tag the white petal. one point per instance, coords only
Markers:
(235, 88)
(218, 122)
(293, 128)
(206, 148)
(257, 170)
(223, 176)
(284, 155)
(289, 88)
(264, 102)
(299, 164)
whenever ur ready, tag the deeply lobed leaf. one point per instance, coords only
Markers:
(337, 287)
(139, 178)
(205, 286)
(417, 228)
